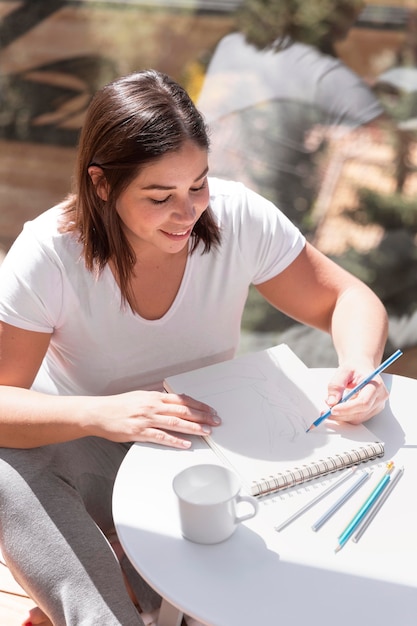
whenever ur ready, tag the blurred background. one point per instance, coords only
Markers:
(313, 104)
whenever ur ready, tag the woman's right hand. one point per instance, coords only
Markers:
(149, 416)
(29, 419)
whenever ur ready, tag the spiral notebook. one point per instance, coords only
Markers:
(267, 400)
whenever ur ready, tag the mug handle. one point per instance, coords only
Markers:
(253, 502)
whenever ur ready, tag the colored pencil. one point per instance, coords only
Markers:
(375, 493)
(378, 505)
(341, 501)
(349, 472)
(358, 387)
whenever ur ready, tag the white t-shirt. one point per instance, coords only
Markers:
(98, 346)
(240, 76)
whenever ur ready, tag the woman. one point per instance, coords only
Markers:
(141, 273)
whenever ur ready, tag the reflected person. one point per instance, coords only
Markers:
(272, 92)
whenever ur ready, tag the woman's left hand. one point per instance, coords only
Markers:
(369, 401)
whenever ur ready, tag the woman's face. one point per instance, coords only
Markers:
(161, 205)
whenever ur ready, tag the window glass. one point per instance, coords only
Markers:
(313, 104)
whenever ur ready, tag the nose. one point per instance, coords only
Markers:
(185, 211)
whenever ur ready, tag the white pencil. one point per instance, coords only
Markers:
(321, 495)
(368, 519)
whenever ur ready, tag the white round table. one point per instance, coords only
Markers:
(293, 577)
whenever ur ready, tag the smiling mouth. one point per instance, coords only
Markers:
(181, 233)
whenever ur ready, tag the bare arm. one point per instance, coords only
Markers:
(30, 419)
(317, 292)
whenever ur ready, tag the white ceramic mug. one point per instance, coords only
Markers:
(208, 498)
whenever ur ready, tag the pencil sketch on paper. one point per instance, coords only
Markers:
(265, 400)
(270, 413)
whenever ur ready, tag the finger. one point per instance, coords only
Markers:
(362, 398)
(181, 424)
(368, 402)
(185, 400)
(343, 381)
(190, 409)
(163, 438)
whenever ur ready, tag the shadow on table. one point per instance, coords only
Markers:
(299, 591)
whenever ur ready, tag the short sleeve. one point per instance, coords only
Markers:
(30, 285)
(345, 97)
(267, 240)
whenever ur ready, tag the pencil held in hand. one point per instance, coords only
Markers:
(358, 387)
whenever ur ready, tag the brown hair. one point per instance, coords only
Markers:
(130, 122)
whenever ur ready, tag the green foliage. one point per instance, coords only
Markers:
(391, 211)
(390, 270)
(315, 22)
(260, 316)
(391, 267)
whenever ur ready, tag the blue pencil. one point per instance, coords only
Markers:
(347, 474)
(373, 496)
(344, 498)
(358, 387)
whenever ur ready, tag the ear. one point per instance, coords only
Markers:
(99, 181)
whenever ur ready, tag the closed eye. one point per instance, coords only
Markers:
(154, 201)
(203, 186)
(193, 189)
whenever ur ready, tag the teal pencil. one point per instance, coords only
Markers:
(377, 506)
(353, 524)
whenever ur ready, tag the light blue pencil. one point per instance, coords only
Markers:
(344, 498)
(348, 474)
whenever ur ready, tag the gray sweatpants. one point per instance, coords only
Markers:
(53, 502)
